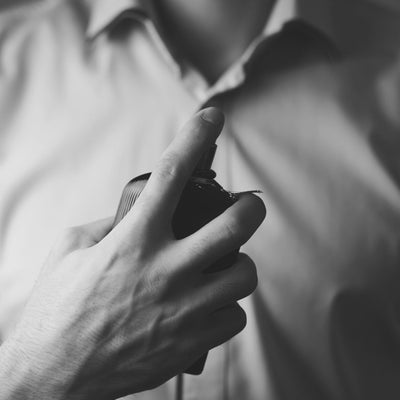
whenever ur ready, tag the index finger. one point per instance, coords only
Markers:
(164, 188)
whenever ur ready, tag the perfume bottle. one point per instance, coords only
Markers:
(202, 200)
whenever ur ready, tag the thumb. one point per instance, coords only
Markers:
(83, 236)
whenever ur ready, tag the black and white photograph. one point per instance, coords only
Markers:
(200, 199)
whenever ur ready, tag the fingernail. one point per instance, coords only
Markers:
(214, 116)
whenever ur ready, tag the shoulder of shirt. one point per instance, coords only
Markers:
(22, 7)
(14, 13)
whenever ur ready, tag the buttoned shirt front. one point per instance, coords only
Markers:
(89, 98)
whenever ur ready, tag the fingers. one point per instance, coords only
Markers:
(227, 286)
(162, 192)
(224, 323)
(224, 234)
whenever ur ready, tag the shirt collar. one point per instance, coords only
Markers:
(102, 13)
(283, 11)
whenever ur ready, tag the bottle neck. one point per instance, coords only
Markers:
(204, 174)
(203, 167)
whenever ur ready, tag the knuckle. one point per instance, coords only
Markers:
(229, 322)
(163, 282)
(70, 239)
(69, 234)
(245, 278)
(259, 208)
(250, 278)
(233, 230)
(159, 282)
(251, 213)
(169, 168)
(239, 319)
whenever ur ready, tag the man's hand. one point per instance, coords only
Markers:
(121, 311)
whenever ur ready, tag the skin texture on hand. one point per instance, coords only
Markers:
(122, 311)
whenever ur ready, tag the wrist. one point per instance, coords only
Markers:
(25, 376)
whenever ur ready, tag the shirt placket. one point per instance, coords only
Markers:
(212, 384)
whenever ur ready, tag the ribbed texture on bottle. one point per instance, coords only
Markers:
(129, 196)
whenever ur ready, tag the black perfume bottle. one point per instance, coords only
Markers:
(202, 200)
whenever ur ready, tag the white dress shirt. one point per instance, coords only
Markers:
(89, 98)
